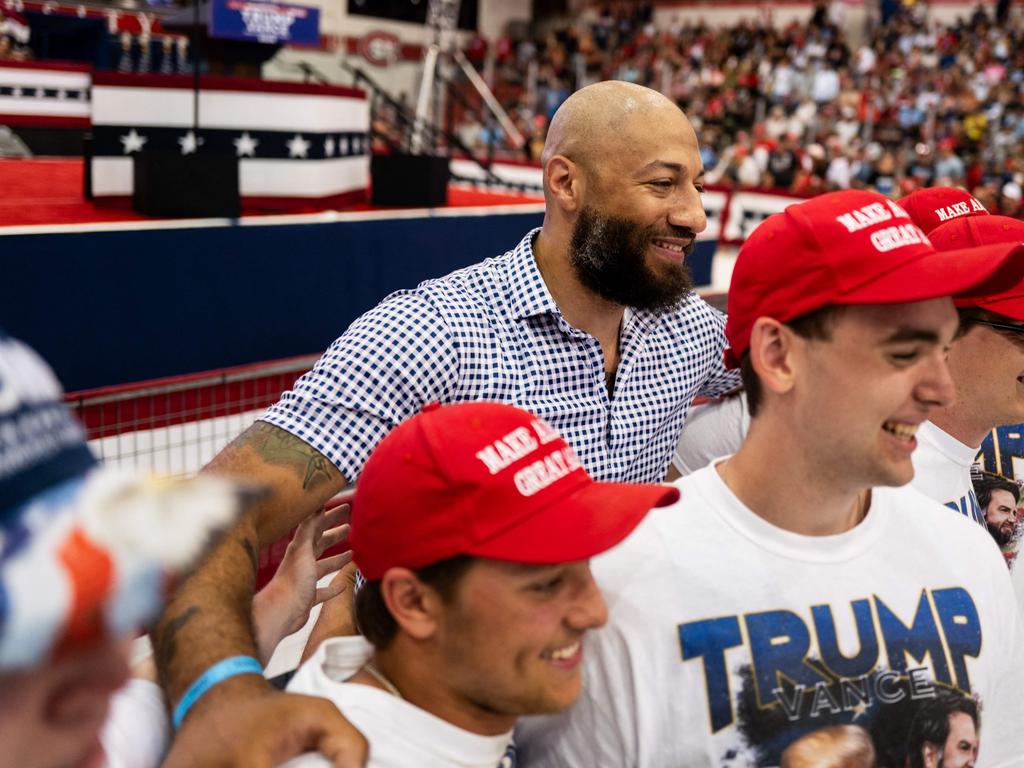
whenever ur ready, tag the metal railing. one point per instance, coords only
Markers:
(435, 135)
(176, 425)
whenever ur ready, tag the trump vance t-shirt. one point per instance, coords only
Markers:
(729, 638)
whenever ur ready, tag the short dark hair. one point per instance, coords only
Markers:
(814, 325)
(988, 482)
(930, 724)
(374, 620)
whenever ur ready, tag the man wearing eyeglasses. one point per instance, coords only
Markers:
(987, 367)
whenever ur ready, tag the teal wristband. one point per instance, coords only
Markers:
(222, 670)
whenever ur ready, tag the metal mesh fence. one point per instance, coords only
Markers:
(176, 425)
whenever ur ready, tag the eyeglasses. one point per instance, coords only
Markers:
(1016, 329)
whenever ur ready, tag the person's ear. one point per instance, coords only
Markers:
(414, 605)
(772, 347)
(563, 183)
(930, 755)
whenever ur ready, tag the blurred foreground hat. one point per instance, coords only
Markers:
(85, 553)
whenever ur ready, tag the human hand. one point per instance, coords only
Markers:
(283, 606)
(245, 722)
(337, 616)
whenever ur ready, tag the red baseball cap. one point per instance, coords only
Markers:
(1006, 298)
(849, 247)
(932, 206)
(488, 480)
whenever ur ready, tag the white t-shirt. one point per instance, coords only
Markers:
(728, 637)
(1017, 577)
(942, 471)
(942, 464)
(711, 430)
(400, 734)
(138, 727)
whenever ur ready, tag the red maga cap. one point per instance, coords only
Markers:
(849, 247)
(932, 206)
(1005, 297)
(488, 480)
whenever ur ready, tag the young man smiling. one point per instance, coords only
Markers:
(473, 525)
(986, 363)
(792, 588)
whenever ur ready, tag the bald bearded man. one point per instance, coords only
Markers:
(589, 322)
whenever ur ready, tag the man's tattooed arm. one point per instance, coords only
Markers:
(300, 479)
(282, 449)
(210, 617)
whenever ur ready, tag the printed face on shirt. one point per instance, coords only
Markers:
(961, 747)
(52, 716)
(1001, 515)
(988, 368)
(641, 214)
(511, 638)
(861, 395)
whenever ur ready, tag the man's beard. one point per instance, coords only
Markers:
(1003, 534)
(609, 256)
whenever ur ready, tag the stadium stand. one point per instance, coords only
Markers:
(798, 107)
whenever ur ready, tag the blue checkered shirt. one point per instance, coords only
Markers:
(492, 331)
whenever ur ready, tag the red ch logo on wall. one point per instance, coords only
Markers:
(380, 48)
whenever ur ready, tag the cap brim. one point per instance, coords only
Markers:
(1006, 306)
(982, 270)
(579, 525)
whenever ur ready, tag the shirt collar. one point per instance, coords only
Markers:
(529, 295)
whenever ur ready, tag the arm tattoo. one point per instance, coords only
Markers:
(167, 647)
(275, 446)
(318, 468)
(250, 550)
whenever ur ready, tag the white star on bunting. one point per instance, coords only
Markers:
(245, 145)
(133, 141)
(189, 143)
(298, 147)
(329, 146)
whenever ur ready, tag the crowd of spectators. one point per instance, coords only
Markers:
(798, 108)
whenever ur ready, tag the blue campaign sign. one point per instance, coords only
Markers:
(265, 22)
